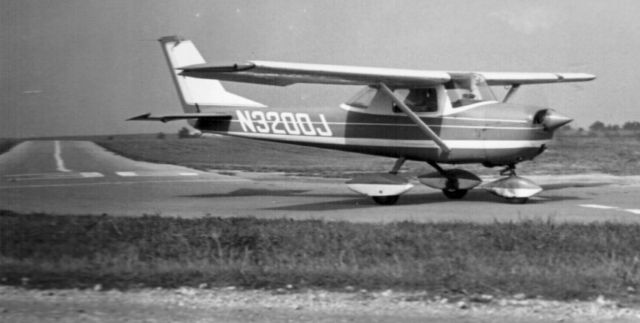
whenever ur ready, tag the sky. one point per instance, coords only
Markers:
(82, 67)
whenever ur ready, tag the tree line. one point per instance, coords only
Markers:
(629, 125)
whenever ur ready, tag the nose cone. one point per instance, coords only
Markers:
(551, 120)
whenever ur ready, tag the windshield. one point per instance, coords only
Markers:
(468, 89)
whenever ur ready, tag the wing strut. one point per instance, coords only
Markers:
(414, 117)
(514, 88)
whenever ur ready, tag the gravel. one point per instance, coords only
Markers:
(290, 305)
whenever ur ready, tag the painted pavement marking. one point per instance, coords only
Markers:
(57, 155)
(613, 208)
(91, 174)
(104, 183)
(126, 174)
(598, 206)
(50, 176)
(155, 174)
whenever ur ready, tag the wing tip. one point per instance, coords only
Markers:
(171, 38)
(575, 77)
(140, 117)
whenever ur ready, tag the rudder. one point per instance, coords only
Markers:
(197, 92)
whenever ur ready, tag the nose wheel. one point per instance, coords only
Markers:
(386, 200)
(513, 188)
(454, 194)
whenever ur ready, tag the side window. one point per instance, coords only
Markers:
(418, 100)
(468, 89)
(363, 98)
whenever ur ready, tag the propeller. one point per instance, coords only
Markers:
(550, 119)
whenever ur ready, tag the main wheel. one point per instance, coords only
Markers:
(454, 194)
(386, 200)
(517, 200)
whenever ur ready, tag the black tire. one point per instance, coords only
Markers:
(454, 194)
(517, 200)
(386, 200)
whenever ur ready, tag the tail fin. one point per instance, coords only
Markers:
(196, 92)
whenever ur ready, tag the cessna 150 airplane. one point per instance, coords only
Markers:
(432, 116)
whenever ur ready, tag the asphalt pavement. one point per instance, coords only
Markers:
(79, 177)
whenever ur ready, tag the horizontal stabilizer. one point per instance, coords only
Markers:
(183, 116)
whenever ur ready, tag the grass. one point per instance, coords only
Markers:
(557, 261)
(618, 155)
(6, 144)
(228, 153)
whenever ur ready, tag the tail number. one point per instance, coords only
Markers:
(283, 123)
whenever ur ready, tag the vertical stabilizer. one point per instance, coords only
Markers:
(197, 92)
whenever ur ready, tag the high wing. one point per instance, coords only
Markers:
(510, 78)
(283, 74)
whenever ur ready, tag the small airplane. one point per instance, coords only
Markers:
(433, 116)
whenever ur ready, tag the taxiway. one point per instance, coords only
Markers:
(79, 177)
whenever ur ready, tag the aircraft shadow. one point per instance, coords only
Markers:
(348, 201)
(360, 202)
(250, 192)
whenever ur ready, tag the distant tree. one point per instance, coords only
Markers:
(566, 128)
(612, 127)
(184, 133)
(597, 126)
(631, 125)
(161, 135)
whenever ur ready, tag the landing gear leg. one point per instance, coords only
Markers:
(510, 171)
(452, 190)
(397, 165)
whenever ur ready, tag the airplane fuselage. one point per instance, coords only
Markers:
(431, 116)
(490, 132)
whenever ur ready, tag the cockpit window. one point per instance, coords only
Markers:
(468, 89)
(363, 98)
(418, 100)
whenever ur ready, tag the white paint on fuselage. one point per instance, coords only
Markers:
(282, 123)
(454, 144)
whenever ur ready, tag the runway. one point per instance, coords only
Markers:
(79, 177)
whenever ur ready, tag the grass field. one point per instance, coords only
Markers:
(618, 155)
(557, 261)
(6, 144)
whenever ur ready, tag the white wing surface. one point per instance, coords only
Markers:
(283, 74)
(508, 78)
